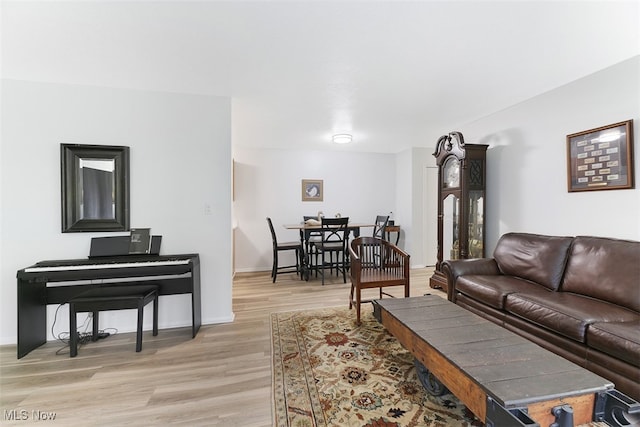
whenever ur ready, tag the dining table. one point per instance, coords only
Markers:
(306, 229)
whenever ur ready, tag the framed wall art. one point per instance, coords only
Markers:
(312, 190)
(601, 158)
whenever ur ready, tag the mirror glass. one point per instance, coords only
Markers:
(450, 230)
(96, 185)
(95, 188)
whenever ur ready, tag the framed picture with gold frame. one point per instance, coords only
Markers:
(601, 158)
(312, 190)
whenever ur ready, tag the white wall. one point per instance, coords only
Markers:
(410, 186)
(180, 162)
(268, 183)
(421, 158)
(526, 160)
(403, 214)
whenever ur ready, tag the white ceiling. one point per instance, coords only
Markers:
(395, 74)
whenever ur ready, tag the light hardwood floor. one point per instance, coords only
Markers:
(222, 377)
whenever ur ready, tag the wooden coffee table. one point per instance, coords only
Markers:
(503, 378)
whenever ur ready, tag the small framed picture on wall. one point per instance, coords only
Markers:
(312, 190)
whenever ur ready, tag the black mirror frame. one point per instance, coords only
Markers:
(70, 155)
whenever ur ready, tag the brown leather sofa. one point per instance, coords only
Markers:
(576, 296)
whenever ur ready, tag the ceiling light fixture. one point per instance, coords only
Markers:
(342, 138)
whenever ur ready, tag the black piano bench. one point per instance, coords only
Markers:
(112, 297)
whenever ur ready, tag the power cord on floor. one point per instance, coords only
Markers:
(84, 337)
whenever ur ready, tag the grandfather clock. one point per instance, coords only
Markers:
(461, 201)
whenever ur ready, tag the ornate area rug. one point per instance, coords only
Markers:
(328, 372)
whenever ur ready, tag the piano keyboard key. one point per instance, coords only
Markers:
(109, 265)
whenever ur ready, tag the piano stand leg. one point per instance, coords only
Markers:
(73, 330)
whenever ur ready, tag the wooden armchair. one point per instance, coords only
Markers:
(376, 263)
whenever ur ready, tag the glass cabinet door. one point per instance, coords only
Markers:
(451, 232)
(476, 224)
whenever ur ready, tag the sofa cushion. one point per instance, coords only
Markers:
(566, 313)
(605, 269)
(618, 339)
(493, 290)
(540, 259)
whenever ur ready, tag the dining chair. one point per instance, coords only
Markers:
(335, 237)
(379, 232)
(380, 225)
(311, 238)
(283, 247)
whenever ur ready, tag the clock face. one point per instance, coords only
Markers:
(451, 173)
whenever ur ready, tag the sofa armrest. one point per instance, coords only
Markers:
(455, 268)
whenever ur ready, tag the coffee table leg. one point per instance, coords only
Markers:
(429, 381)
(617, 409)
